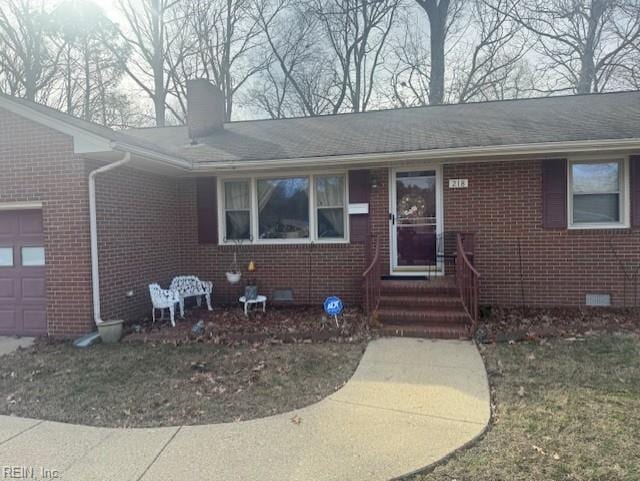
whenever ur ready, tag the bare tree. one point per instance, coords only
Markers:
(584, 43)
(152, 27)
(357, 33)
(496, 52)
(486, 58)
(224, 36)
(28, 58)
(299, 78)
(89, 74)
(441, 15)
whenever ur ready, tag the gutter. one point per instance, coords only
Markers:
(95, 271)
(152, 155)
(450, 155)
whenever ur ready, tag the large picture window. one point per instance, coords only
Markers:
(283, 208)
(301, 208)
(597, 193)
(237, 210)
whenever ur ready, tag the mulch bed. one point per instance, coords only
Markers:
(517, 324)
(229, 325)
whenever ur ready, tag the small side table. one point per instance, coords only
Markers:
(258, 300)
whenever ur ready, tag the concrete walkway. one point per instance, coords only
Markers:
(9, 344)
(410, 403)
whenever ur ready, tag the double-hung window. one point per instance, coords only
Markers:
(237, 210)
(300, 208)
(597, 193)
(330, 206)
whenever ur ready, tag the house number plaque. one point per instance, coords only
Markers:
(458, 183)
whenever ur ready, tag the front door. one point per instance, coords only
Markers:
(414, 222)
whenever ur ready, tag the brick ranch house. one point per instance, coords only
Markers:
(545, 194)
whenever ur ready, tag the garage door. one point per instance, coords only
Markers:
(22, 275)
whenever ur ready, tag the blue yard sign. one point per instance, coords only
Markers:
(333, 306)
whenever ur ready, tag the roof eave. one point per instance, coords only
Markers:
(543, 149)
(152, 155)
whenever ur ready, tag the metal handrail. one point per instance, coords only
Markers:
(468, 282)
(371, 280)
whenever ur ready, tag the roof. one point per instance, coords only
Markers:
(432, 130)
(496, 123)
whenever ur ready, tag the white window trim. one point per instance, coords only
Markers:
(625, 195)
(253, 187)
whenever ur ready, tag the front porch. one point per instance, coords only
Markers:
(442, 303)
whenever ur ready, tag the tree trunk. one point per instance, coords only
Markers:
(437, 11)
(436, 77)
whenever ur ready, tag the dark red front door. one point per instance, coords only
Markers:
(23, 298)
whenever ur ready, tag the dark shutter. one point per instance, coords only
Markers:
(359, 192)
(554, 194)
(634, 164)
(207, 202)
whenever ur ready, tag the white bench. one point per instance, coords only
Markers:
(191, 286)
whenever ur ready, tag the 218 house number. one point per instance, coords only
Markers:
(458, 183)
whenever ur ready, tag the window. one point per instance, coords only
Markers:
(6, 256)
(283, 208)
(237, 210)
(32, 256)
(330, 206)
(296, 209)
(597, 193)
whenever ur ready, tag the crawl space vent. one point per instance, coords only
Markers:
(283, 295)
(598, 300)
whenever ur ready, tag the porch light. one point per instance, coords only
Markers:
(374, 182)
(252, 266)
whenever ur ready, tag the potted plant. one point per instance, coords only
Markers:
(234, 274)
(110, 331)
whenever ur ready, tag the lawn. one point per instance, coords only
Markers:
(566, 409)
(165, 385)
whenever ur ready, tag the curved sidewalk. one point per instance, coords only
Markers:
(410, 403)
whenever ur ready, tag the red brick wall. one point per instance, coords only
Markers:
(502, 205)
(139, 241)
(311, 271)
(379, 214)
(38, 164)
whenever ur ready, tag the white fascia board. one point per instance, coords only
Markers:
(463, 154)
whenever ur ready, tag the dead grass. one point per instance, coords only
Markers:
(163, 385)
(565, 410)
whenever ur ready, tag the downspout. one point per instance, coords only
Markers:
(95, 271)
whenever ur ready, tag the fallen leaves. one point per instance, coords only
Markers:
(228, 325)
(296, 420)
(535, 324)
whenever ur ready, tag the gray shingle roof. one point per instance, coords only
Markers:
(500, 123)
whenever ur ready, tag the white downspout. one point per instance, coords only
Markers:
(95, 271)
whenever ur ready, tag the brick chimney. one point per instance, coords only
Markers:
(205, 108)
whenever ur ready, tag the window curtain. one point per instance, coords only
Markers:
(237, 196)
(237, 205)
(330, 201)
